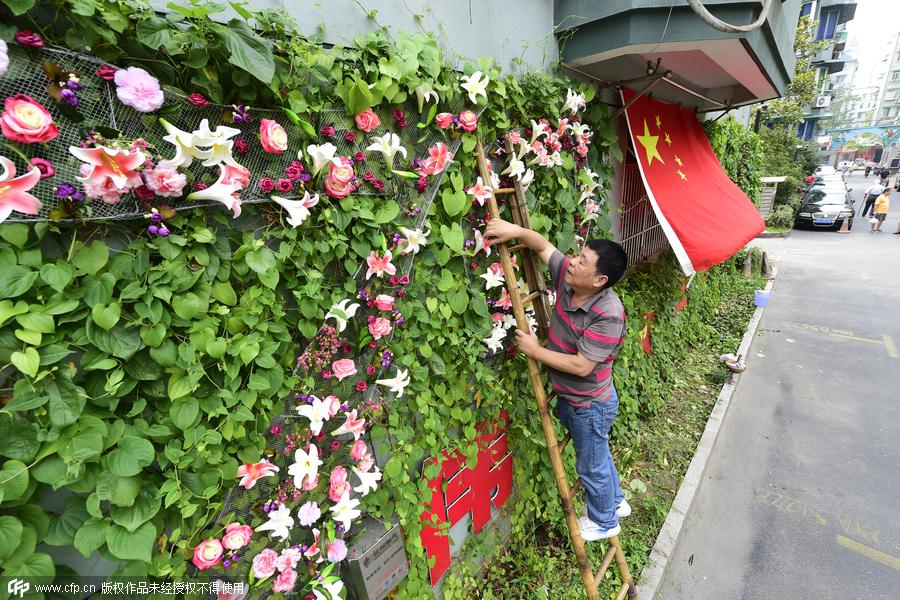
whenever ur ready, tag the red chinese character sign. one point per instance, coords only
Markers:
(470, 491)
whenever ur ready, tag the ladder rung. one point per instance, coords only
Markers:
(504, 190)
(565, 442)
(607, 560)
(623, 591)
(530, 297)
(516, 247)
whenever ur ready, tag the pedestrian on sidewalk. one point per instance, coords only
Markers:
(875, 190)
(882, 203)
(586, 332)
(885, 175)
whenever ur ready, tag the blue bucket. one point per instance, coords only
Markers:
(761, 298)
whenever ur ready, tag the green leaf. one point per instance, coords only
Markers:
(143, 368)
(184, 412)
(19, 7)
(145, 507)
(87, 444)
(36, 565)
(34, 516)
(120, 491)
(180, 385)
(36, 321)
(387, 213)
(66, 402)
(13, 480)
(10, 535)
(454, 202)
(91, 536)
(18, 438)
(121, 341)
(27, 361)
(453, 237)
(9, 310)
(92, 258)
(15, 233)
(459, 301)
(224, 293)
(57, 275)
(106, 315)
(468, 142)
(63, 527)
(260, 260)
(431, 302)
(22, 551)
(154, 32)
(15, 281)
(359, 97)
(189, 305)
(246, 50)
(126, 545)
(130, 457)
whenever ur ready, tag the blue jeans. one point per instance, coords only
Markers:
(589, 430)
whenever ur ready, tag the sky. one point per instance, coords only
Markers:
(872, 31)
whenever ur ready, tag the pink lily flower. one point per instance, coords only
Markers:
(351, 425)
(314, 549)
(224, 190)
(481, 243)
(14, 190)
(438, 157)
(251, 472)
(379, 265)
(479, 192)
(116, 163)
(505, 301)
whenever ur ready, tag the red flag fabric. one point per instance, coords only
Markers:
(705, 216)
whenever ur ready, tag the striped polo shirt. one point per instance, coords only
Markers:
(596, 328)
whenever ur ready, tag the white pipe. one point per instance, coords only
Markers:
(716, 23)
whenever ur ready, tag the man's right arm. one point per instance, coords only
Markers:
(499, 231)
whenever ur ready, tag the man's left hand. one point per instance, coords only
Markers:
(527, 342)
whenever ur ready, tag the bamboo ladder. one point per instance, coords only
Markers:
(537, 299)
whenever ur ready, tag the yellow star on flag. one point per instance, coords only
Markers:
(658, 121)
(678, 160)
(668, 139)
(682, 175)
(649, 143)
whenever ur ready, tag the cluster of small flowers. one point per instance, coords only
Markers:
(241, 114)
(369, 177)
(399, 118)
(322, 349)
(412, 210)
(67, 90)
(157, 224)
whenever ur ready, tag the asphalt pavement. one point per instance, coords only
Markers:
(800, 498)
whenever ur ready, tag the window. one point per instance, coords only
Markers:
(827, 23)
(806, 9)
(895, 75)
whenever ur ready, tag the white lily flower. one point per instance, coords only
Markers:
(317, 413)
(226, 193)
(574, 102)
(334, 590)
(532, 322)
(185, 149)
(219, 142)
(492, 279)
(367, 481)
(279, 523)
(398, 383)
(495, 340)
(415, 239)
(298, 210)
(509, 321)
(495, 180)
(341, 312)
(526, 179)
(306, 465)
(424, 93)
(389, 145)
(537, 132)
(321, 156)
(580, 129)
(516, 167)
(476, 84)
(482, 244)
(556, 159)
(345, 511)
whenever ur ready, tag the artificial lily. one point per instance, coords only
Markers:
(398, 383)
(14, 190)
(526, 179)
(185, 149)
(537, 131)
(367, 481)
(438, 157)
(345, 511)
(219, 142)
(495, 340)
(480, 192)
(351, 425)
(476, 84)
(482, 244)
(516, 167)
(118, 164)
(424, 93)
(389, 145)
(306, 465)
(573, 102)
(493, 278)
(505, 301)
(581, 130)
(298, 210)
(316, 412)
(313, 550)
(321, 156)
(415, 239)
(341, 312)
(333, 588)
(279, 523)
(251, 472)
(379, 265)
(220, 191)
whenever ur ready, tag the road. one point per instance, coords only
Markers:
(801, 496)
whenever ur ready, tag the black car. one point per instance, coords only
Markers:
(825, 209)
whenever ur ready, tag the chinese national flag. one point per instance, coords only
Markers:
(705, 216)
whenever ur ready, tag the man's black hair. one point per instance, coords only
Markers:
(611, 260)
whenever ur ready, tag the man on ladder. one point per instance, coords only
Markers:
(586, 332)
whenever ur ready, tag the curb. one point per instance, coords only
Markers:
(773, 234)
(653, 571)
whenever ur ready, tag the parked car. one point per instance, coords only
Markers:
(824, 170)
(825, 209)
(834, 179)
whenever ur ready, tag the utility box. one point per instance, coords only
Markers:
(376, 562)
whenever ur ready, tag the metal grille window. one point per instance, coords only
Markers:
(641, 235)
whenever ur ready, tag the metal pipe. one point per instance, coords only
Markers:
(720, 25)
(583, 74)
(643, 91)
(695, 94)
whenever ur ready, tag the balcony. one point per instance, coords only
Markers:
(847, 8)
(613, 41)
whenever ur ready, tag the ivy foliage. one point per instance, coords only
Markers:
(741, 153)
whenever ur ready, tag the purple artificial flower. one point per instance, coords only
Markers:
(68, 97)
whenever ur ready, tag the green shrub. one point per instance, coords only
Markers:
(782, 216)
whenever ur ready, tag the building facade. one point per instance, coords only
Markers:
(888, 110)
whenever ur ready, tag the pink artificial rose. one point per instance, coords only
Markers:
(208, 554)
(44, 166)
(367, 120)
(343, 368)
(236, 536)
(336, 189)
(165, 181)
(29, 39)
(238, 175)
(342, 173)
(26, 120)
(273, 137)
(468, 120)
(380, 327)
(444, 120)
(138, 89)
(338, 484)
(334, 405)
(264, 563)
(288, 559)
(106, 72)
(384, 302)
(285, 581)
(359, 450)
(198, 99)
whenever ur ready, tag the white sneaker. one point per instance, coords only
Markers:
(622, 510)
(590, 531)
